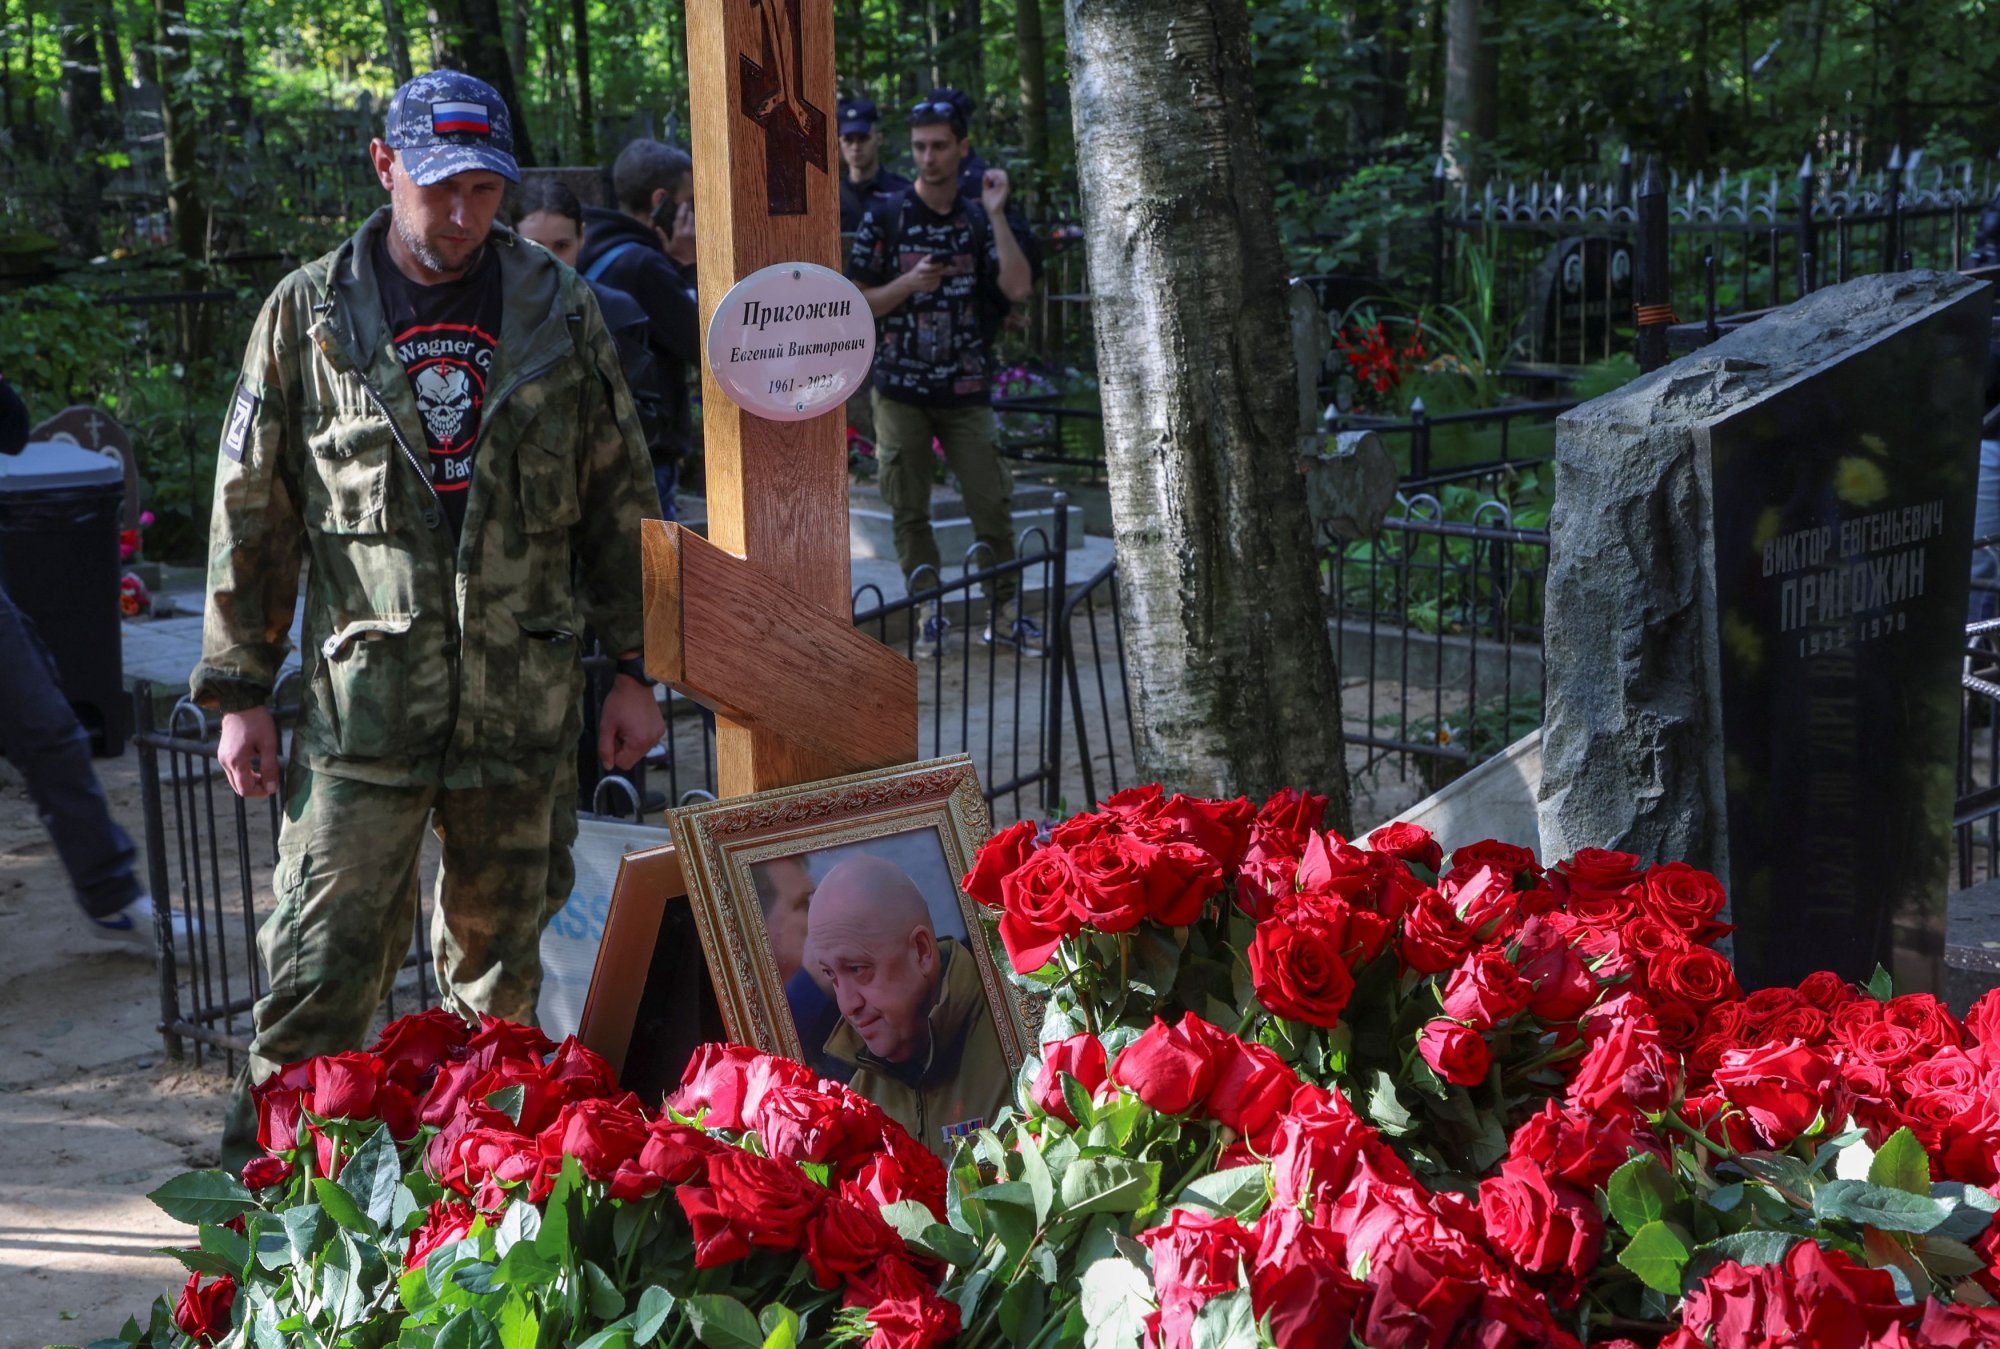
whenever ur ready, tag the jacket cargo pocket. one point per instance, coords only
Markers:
(550, 688)
(348, 486)
(384, 684)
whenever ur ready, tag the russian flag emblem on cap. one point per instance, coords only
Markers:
(450, 117)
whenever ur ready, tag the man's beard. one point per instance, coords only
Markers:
(424, 252)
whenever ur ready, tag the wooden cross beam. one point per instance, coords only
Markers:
(755, 622)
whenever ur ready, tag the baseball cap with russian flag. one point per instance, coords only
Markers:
(447, 122)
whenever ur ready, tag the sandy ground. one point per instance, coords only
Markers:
(93, 1114)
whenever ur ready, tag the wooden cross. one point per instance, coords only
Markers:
(755, 621)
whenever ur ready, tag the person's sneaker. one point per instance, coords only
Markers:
(931, 640)
(132, 926)
(1009, 628)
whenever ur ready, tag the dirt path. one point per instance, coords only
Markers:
(93, 1114)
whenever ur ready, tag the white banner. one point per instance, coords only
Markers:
(571, 940)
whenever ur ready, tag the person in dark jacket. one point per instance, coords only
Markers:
(861, 156)
(49, 748)
(646, 248)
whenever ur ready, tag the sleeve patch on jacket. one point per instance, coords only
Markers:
(241, 414)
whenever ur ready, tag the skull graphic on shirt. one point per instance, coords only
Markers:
(444, 397)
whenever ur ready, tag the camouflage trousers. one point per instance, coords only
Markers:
(347, 887)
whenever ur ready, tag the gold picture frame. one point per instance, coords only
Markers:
(806, 900)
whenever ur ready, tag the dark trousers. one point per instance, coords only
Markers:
(47, 746)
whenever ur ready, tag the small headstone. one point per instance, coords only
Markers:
(1583, 290)
(1350, 486)
(1756, 597)
(94, 429)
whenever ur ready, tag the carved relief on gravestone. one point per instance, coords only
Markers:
(774, 98)
(1757, 592)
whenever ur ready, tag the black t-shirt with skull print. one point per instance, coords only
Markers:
(445, 336)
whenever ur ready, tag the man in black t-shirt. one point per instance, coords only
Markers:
(928, 262)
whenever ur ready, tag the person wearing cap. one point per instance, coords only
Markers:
(432, 418)
(861, 153)
(931, 265)
(646, 248)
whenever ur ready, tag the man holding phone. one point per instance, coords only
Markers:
(935, 271)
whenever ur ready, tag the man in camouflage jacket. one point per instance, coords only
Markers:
(441, 675)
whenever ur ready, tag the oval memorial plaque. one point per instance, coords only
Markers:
(791, 341)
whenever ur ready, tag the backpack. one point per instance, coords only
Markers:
(636, 359)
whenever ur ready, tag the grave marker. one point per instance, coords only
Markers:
(1756, 603)
(1583, 290)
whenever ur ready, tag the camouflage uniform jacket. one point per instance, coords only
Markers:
(423, 664)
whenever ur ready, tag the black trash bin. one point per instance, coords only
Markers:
(59, 508)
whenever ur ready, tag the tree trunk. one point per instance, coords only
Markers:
(82, 102)
(475, 43)
(1031, 50)
(586, 121)
(236, 66)
(116, 80)
(517, 39)
(1462, 114)
(1231, 671)
(397, 39)
(186, 212)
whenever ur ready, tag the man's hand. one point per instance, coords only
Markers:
(993, 192)
(629, 726)
(926, 275)
(249, 752)
(679, 241)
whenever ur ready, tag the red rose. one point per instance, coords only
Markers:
(462, 1163)
(261, 1173)
(280, 1100)
(1483, 900)
(1954, 1325)
(675, 1153)
(1646, 939)
(1332, 864)
(1838, 1300)
(1195, 1257)
(1516, 862)
(1687, 900)
(202, 1312)
(582, 1072)
(1321, 1150)
(1219, 828)
(599, 1134)
(542, 1096)
(1680, 1024)
(1926, 1018)
(344, 1086)
(1801, 1023)
(888, 1178)
(844, 1238)
(1881, 1044)
(1298, 969)
(1826, 990)
(747, 1201)
(1285, 822)
(1180, 880)
(1253, 1086)
(1036, 913)
(1595, 873)
(1166, 1067)
(1561, 986)
(1626, 1069)
(1081, 1056)
(1697, 976)
(421, 1041)
(1299, 1281)
(1454, 1052)
(1410, 843)
(728, 1081)
(1580, 1149)
(1434, 939)
(1109, 881)
(1422, 1294)
(1551, 1233)
(999, 856)
(892, 1277)
(446, 1222)
(912, 1323)
(1719, 1121)
(826, 1123)
(1982, 1022)
(1485, 990)
(496, 1039)
(1783, 1088)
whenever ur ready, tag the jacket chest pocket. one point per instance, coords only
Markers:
(548, 459)
(347, 486)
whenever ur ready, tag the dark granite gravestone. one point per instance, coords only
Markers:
(1756, 598)
(1583, 290)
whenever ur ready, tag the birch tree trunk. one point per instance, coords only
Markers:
(1230, 668)
(1031, 49)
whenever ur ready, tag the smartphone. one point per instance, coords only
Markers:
(942, 259)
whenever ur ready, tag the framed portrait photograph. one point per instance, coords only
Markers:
(837, 935)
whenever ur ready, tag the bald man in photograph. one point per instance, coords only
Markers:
(914, 1019)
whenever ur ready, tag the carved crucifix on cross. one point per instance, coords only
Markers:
(755, 621)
